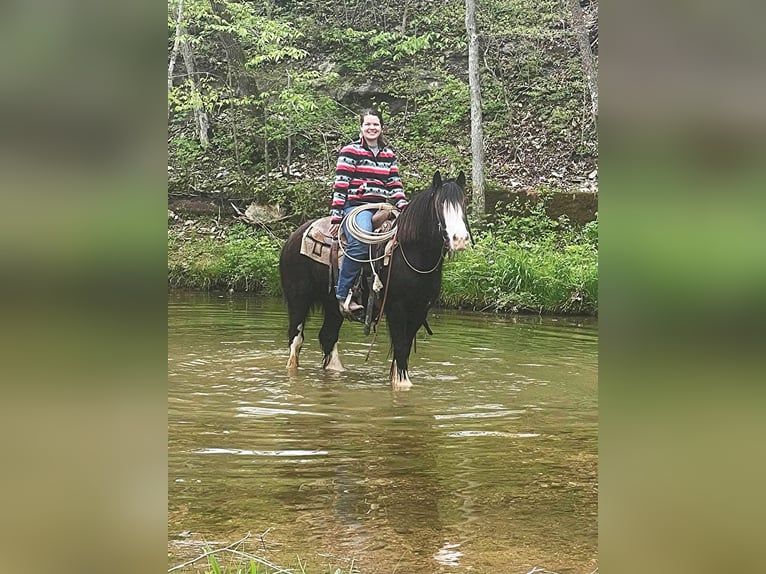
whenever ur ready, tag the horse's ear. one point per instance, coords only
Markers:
(437, 181)
(461, 179)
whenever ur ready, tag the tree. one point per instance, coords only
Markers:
(477, 135)
(240, 78)
(182, 43)
(234, 24)
(588, 63)
(275, 51)
(176, 47)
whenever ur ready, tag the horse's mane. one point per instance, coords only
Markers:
(420, 220)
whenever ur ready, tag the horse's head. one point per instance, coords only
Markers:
(450, 203)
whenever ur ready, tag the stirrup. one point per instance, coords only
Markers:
(351, 309)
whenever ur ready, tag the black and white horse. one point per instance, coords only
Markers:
(433, 224)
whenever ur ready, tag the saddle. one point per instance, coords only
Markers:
(319, 245)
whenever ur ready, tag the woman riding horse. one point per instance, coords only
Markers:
(366, 172)
(433, 225)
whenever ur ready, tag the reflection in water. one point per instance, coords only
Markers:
(487, 465)
(447, 555)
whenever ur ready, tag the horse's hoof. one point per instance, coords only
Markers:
(401, 384)
(332, 361)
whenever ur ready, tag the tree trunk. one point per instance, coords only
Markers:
(200, 115)
(289, 134)
(477, 136)
(176, 46)
(241, 82)
(588, 65)
(244, 82)
(265, 151)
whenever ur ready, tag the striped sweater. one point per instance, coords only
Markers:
(361, 177)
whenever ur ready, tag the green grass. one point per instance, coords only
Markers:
(244, 563)
(244, 259)
(502, 276)
(521, 263)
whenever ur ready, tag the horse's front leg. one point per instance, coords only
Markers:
(400, 377)
(401, 341)
(328, 335)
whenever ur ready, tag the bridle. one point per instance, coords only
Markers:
(439, 208)
(445, 249)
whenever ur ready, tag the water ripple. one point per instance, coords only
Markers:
(484, 415)
(458, 434)
(239, 451)
(262, 411)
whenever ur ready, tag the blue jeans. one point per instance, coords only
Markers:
(356, 249)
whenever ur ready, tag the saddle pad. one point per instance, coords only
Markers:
(317, 242)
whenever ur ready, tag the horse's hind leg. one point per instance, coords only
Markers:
(297, 319)
(328, 334)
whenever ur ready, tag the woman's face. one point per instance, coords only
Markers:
(371, 128)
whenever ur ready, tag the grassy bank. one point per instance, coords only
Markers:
(246, 563)
(524, 261)
(521, 262)
(204, 256)
(233, 559)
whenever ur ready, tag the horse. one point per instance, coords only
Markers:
(433, 225)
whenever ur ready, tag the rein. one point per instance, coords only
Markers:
(444, 251)
(445, 248)
(380, 314)
(415, 269)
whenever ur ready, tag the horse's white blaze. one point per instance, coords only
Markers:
(295, 349)
(454, 222)
(398, 382)
(334, 363)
